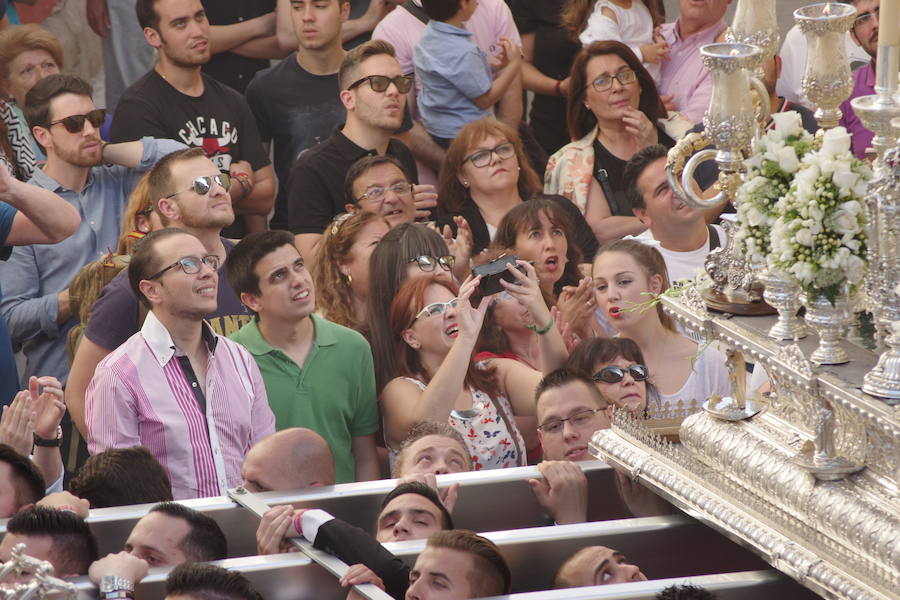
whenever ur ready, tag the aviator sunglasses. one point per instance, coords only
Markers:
(617, 374)
(201, 185)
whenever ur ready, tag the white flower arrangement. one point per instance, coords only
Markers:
(818, 236)
(775, 159)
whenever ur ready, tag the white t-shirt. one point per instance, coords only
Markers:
(793, 62)
(710, 376)
(684, 265)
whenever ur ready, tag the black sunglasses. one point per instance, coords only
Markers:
(201, 185)
(75, 123)
(190, 265)
(380, 83)
(617, 374)
(427, 263)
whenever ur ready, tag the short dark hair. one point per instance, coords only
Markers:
(685, 592)
(144, 260)
(159, 177)
(27, 480)
(492, 576)
(205, 541)
(240, 265)
(441, 10)
(642, 159)
(417, 487)
(38, 98)
(146, 14)
(121, 476)
(360, 167)
(561, 377)
(591, 351)
(74, 547)
(209, 582)
(355, 57)
(426, 428)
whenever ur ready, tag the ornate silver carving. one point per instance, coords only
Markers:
(830, 322)
(784, 295)
(792, 356)
(42, 583)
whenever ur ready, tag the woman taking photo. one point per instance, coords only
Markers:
(613, 111)
(627, 276)
(341, 272)
(618, 369)
(485, 174)
(435, 332)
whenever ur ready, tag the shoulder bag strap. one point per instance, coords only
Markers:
(416, 11)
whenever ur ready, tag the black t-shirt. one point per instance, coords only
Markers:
(295, 110)
(553, 56)
(230, 68)
(219, 120)
(316, 183)
(357, 9)
(615, 167)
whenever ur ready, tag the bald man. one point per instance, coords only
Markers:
(290, 459)
(596, 565)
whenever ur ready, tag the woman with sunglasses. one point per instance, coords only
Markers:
(617, 367)
(341, 271)
(435, 332)
(628, 275)
(613, 111)
(485, 174)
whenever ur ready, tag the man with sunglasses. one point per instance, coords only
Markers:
(865, 33)
(318, 374)
(190, 193)
(176, 100)
(195, 399)
(373, 91)
(35, 279)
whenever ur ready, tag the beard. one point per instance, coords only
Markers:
(78, 157)
(202, 220)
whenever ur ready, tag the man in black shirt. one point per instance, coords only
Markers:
(373, 91)
(175, 100)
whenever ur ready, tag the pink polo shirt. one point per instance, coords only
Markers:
(683, 74)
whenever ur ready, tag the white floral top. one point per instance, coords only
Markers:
(493, 439)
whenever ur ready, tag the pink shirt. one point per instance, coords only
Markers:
(141, 395)
(683, 74)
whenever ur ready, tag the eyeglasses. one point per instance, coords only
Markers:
(380, 83)
(604, 82)
(75, 123)
(617, 374)
(190, 265)
(377, 194)
(866, 17)
(579, 419)
(203, 184)
(436, 308)
(427, 263)
(482, 158)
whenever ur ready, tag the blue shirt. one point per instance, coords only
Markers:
(453, 71)
(9, 380)
(34, 275)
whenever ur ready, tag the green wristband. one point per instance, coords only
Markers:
(541, 331)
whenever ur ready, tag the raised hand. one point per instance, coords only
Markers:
(448, 495)
(638, 125)
(528, 292)
(48, 406)
(122, 564)
(562, 492)
(273, 529)
(424, 198)
(17, 424)
(576, 307)
(460, 246)
(470, 318)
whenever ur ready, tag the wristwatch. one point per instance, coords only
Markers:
(113, 586)
(51, 442)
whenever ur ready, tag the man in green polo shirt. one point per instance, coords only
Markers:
(318, 374)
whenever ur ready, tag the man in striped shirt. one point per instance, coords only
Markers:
(196, 400)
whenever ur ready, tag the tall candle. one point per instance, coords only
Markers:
(889, 23)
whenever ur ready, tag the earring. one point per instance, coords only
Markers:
(465, 183)
(349, 278)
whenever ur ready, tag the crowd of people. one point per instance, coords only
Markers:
(309, 242)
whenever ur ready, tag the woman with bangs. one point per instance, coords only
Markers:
(435, 329)
(539, 231)
(341, 271)
(627, 276)
(485, 174)
(613, 110)
(619, 371)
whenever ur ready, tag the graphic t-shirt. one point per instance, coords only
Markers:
(219, 120)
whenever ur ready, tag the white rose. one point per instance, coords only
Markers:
(855, 268)
(787, 123)
(755, 217)
(852, 206)
(802, 271)
(787, 159)
(843, 222)
(835, 141)
(845, 180)
(804, 237)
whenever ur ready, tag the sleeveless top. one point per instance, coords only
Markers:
(493, 440)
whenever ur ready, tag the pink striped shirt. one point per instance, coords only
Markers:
(140, 395)
(683, 75)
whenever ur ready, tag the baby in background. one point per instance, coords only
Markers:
(459, 85)
(629, 22)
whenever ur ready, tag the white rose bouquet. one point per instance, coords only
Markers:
(818, 236)
(775, 159)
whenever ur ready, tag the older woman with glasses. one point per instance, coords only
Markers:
(613, 111)
(435, 330)
(485, 174)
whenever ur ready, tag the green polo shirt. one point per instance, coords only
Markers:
(333, 394)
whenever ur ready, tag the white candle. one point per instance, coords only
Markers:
(889, 23)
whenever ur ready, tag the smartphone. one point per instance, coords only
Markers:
(492, 272)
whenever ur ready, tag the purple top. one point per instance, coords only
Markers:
(863, 85)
